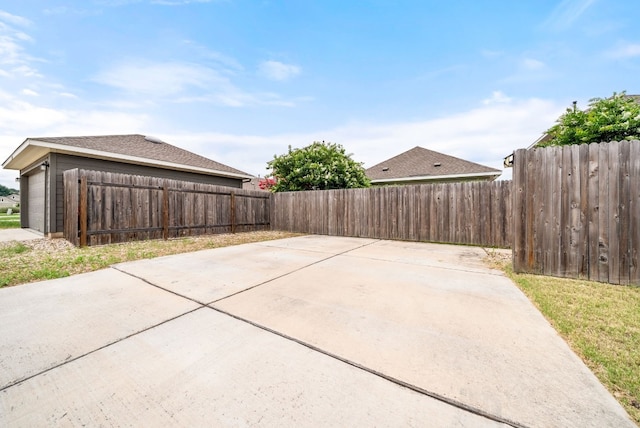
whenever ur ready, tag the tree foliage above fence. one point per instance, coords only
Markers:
(319, 166)
(607, 119)
(6, 191)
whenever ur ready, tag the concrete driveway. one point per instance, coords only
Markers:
(7, 235)
(306, 331)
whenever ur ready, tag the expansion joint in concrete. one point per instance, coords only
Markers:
(458, 404)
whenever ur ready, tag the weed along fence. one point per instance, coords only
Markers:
(475, 213)
(577, 211)
(102, 208)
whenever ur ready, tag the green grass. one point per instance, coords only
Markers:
(21, 263)
(9, 221)
(13, 249)
(601, 323)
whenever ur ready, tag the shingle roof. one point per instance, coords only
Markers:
(139, 146)
(420, 162)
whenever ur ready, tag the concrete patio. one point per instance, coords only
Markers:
(305, 331)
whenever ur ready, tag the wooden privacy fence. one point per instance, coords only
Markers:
(475, 213)
(103, 207)
(577, 211)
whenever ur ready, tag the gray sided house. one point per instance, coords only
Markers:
(42, 161)
(420, 166)
(9, 201)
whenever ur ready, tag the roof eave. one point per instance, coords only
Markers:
(8, 163)
(436, 177)
(14, 161)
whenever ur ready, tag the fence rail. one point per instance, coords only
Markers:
(102, 208)
(475, 213)
(569, 211)
(577, 211)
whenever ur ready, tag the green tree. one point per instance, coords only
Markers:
(318, 166)
(607, 119)
(5, 191)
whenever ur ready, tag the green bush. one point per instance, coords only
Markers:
(607, 119)
(14, 210)
(319, 166)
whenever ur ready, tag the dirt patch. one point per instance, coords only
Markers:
(49, 245)
(497, 258)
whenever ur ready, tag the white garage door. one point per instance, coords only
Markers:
(35, 217)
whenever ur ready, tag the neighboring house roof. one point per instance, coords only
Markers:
(420, 164)
(8, 201)
(134, 149)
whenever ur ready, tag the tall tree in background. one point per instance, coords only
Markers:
(607, 119)
(318, 166)
(5, 191)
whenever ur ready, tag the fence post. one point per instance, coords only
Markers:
(83, 211)
(233, 212)
(165, 211)
(71, 208)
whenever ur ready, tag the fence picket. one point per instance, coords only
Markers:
(429, 212)
(120, 207)
(587, 223)
(570, 211)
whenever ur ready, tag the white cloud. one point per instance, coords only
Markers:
(26, 119)
(158, 2)
(25, 71)
(280, 71)
(566, 13)
(183, 83)
(100, 122)
(484, 135)
(532, 64)
(15, 62)
(529, 69)
(497, 97)
(162, 79)
(66, 95)
(228, 63)
(65, 10)
(30, 93)
(488, 53)
(11, 52)
(20, 119)
(627, 50)
(438, 73)
(114, 3)
(14, 19)
(178, 2)
(17, 115)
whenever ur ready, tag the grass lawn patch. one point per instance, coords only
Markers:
(600, 322)
(9, 221)
(29, 261)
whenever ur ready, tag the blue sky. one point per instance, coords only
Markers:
(239, 81)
